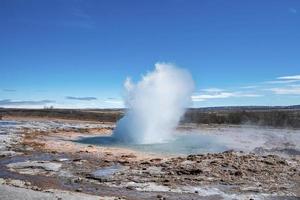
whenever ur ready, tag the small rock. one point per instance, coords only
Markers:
(7, 153)
(2, 181)
(268, 162)
(145, 163)
(228, 151)
(130, 187)
(77, 180)
(27, 183)
(155, 160)
(44, 165)
(238, 173)
(36, 188)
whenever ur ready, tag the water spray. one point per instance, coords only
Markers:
(155, 105)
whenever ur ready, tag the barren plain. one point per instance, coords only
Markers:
(52, 158)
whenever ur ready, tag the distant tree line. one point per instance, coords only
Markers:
(105, 115)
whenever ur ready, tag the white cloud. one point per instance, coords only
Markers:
(114, 101)
(212, 90)
(250, 87)
(81, 98)
(285, 79)
(248, 95)
(281, 81)
(286, 90)
(220, 94)
(294, 85)
(9, 102)
(296, 77)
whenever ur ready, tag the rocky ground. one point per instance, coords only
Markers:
(40, 160)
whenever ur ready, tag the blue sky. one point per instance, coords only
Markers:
(75, 53)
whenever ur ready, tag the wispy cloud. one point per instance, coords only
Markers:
(295, 77)
(212, 90)
(249, 87)
(293, 10)
(220, 94)
(117, 102)
(113, 100)
(9, 102)
(285, 79)
(290, 90)
(81, 98)
(281, 81)
(84, 24)
(80, 13)
(80, 17)
(284, 86)
(203, 97)
(76, 15)
(9, 90)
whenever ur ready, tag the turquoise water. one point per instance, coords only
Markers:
(191, 143)
(8, 123)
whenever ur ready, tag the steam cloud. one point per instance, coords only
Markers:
(155, 105)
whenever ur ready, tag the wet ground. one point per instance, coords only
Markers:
(202, 162)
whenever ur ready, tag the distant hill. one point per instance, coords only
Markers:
(249, 108)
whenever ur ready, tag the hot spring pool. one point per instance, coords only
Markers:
(214, 140)
(180, 144)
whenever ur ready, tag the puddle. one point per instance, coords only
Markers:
(107, 171)
(8, 123)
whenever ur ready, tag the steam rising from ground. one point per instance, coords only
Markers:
(155, 105)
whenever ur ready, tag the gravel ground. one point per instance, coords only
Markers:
(8, 192)
(40, 160)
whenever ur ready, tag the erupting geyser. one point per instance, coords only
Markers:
(155, 105)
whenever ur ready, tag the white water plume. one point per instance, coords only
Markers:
(155, 105)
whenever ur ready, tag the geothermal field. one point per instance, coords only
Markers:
(149, 100)
(53, 158)
(153, 149)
